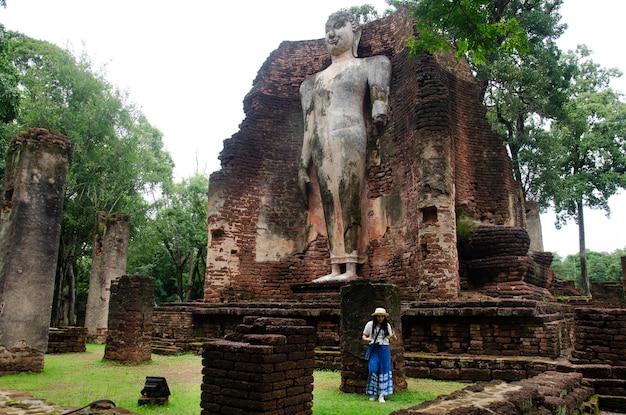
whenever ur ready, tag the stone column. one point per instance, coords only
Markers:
(110, 251)
(533, 225)
(30, 227)
(130, 319)
(623, 263)
(436, 190)
(358, 301)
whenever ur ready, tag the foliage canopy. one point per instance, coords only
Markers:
(118, 163)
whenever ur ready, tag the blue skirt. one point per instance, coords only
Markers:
(379, 380)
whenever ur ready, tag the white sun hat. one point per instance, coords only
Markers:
(380, 312)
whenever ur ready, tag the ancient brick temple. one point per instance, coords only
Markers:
(444, 223)
(435, 158)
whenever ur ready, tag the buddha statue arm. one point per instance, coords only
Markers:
(306, 98)
(379, 78)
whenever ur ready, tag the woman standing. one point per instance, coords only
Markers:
(378, 331)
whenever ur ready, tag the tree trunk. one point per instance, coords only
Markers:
(179, 281)
(189, 286)
(584, 277)
(71, 297)
(57, 297)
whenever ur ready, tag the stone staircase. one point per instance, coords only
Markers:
(172, 347)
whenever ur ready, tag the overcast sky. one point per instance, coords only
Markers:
(188, 65)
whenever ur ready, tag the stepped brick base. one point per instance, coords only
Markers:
(547, 393)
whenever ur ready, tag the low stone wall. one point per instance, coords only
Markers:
(264, 367)
(478, 368)
(328, 360)
(547, 393)
(600, 336)
(507, 327)
(173, 322)
(600, 349)
(20, 359)
(67, 340)
(183, 324)
(562, 288)
(608, 294)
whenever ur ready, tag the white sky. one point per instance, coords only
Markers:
(188, 64)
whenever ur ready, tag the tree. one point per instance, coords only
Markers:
(117, 156)
(563, 126)
(9, 95)
(364, 14)
(510, 46)
(589, 157)
(147, 255)
(523, 95)
(602, 266)
(475, 28)
(181, 226)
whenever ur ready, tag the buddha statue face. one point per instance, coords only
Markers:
(342, 34)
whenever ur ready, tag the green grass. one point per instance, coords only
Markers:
(329, 400)
(79, 378)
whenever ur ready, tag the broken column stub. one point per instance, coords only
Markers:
(358, 301)
(30, 226)
(264, 367)
(110, 252)
(130, 319)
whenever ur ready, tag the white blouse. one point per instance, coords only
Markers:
(381, 338)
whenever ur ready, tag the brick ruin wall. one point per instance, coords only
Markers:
(259, 243)
(608, 294)
(516, 339)
(491, 329)
(502, 333)
(67, 340)
(264, 367)
(547, 393)
(184, 324)
(494, 327)
(168, 323)
(131, 308)
(600, 337)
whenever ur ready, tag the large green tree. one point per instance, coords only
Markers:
(175, 241)
(562, 125)
(475, 28)
(588, 160)
(9, 94)
(511, 48)
(117, 155)
(182, 225)
(603, 266)
(480, 30)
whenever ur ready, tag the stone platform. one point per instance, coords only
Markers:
(548, 393)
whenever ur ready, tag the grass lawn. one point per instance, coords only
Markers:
(329, 400)
(79, 378)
